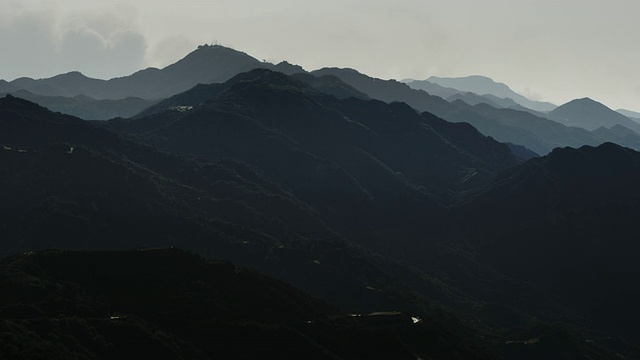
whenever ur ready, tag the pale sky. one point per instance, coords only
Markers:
(552, 50)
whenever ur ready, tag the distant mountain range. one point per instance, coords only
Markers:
(633, 115)
(536, 132)
(207, 64)
(483, 85)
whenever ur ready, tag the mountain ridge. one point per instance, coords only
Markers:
(482, 85)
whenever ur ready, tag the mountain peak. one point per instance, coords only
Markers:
(590, 114)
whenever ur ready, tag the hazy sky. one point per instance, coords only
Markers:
(553, 50)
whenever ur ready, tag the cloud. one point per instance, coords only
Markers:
(169, 51)
(45, 41)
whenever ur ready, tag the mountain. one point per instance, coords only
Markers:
(521, 151)
(473, 99)
(633, 115)
(452, 95)
(619, 134)
(590, 115)
(522, 128)
(353, 152)
(484, 85)
(347, 199)
(567, 222)
(207, 64)
(200, 93)
(331, 85)
(277, 196)
(88, 108)
(5, 87)
(69, 183)
(432, 88)
(388, 90)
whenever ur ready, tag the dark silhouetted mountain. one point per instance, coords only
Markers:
(358, 130)
(170, 304)
(590, 115)
(343, 198)
(521, 151)
(207, 64)
(388, 90)
(373, 172)
(88, 108)
(483, 85)
(568, 222)
(330, 85)
(68, 183)
(275, 200)
(288, 69)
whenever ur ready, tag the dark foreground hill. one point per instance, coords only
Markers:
(569, 222)
(170, 304)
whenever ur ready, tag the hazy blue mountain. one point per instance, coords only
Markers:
(5, 87)
(620, 135)
(473, 99)
(503, 102)
(454, 94)
(589, 114)
(484, 85)
(538, 134)
(533, 112)
(207, 64)
(67, 85)
(633, 115)
(432, 88)
(87, 108)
